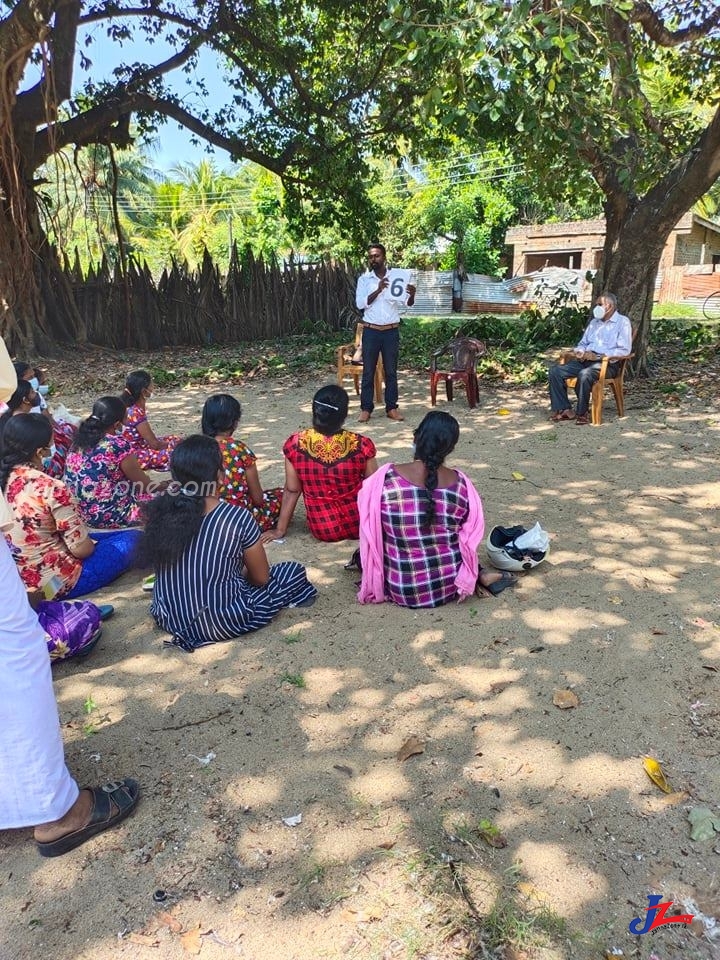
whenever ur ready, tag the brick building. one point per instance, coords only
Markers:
(689, 267)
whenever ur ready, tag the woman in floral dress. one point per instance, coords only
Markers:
(153, 453)
(52, 546)
(241, 486)
(63, 433)
(102, 470)
(327, 465)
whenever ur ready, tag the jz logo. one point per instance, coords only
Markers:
(656, 916)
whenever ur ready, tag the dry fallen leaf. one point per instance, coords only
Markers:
(503, 412)
(565, 699)
(341, 768)
(499, 686)
(615, 599)
(143, 940)
(411, 748)
(653, 769)
(169, 921)
(386, 845)
(516, 475)
(659, 633)
(710, 666)
(703, 624)
(192, 940)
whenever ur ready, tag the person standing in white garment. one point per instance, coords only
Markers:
(380, 293)
(36, 789)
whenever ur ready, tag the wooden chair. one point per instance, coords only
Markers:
(462, 368)
(349, 367)
(616, 384)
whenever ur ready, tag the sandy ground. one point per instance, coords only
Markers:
(623, 613)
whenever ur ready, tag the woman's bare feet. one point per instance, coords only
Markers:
(492, 582)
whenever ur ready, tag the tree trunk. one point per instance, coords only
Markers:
(634, 243)
(37, 307)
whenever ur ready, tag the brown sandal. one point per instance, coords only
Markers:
(582, 419)
(562, 415)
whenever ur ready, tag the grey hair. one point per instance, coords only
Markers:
(609, 296)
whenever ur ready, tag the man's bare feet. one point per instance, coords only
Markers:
(95, 810)
(77, 817)
(364, 416)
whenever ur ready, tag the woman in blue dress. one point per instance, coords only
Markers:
(213, 581)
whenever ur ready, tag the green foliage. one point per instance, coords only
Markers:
(560, 324)
(511, 354)
(693, 336)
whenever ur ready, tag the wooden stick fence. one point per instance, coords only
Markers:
(254, 301)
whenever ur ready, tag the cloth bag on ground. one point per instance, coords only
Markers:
(69, 626)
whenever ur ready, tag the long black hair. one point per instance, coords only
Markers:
(435, 438)
(136, 382)
(330, 409)
(105, 412)
(24, 435)
(173, 519)
(21, 367)
(21, 392)
(221, 414)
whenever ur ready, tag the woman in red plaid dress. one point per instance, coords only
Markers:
(327, 465)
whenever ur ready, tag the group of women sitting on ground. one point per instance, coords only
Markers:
(419, 523)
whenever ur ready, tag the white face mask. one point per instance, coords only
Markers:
(599, 312)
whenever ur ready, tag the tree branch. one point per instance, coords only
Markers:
(33, 105)
(625, 76)
(654, 26)
(109, 123)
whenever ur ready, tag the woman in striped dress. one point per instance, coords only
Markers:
(213, 581)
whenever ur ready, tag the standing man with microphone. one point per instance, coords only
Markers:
(381, 291)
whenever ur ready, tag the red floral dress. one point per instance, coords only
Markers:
(47, 523)
(237, 458)
(147, 458)
(331, 470)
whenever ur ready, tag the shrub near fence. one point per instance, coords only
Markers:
(254, 301)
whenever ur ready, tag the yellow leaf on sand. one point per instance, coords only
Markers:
(503, 412)
(565, 699)
(653, 769)
(516, 475)
(192, 940)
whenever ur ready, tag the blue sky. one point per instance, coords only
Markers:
(173, 144)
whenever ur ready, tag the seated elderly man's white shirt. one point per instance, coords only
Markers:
(611, 338)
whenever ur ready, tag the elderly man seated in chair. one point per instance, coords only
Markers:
(609, 334)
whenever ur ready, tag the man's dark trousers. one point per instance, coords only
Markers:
(375, 343)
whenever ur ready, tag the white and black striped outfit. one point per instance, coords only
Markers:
(203, 598)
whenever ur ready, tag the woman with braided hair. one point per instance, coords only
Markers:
(420, 526)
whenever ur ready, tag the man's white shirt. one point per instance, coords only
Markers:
(385, 308)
